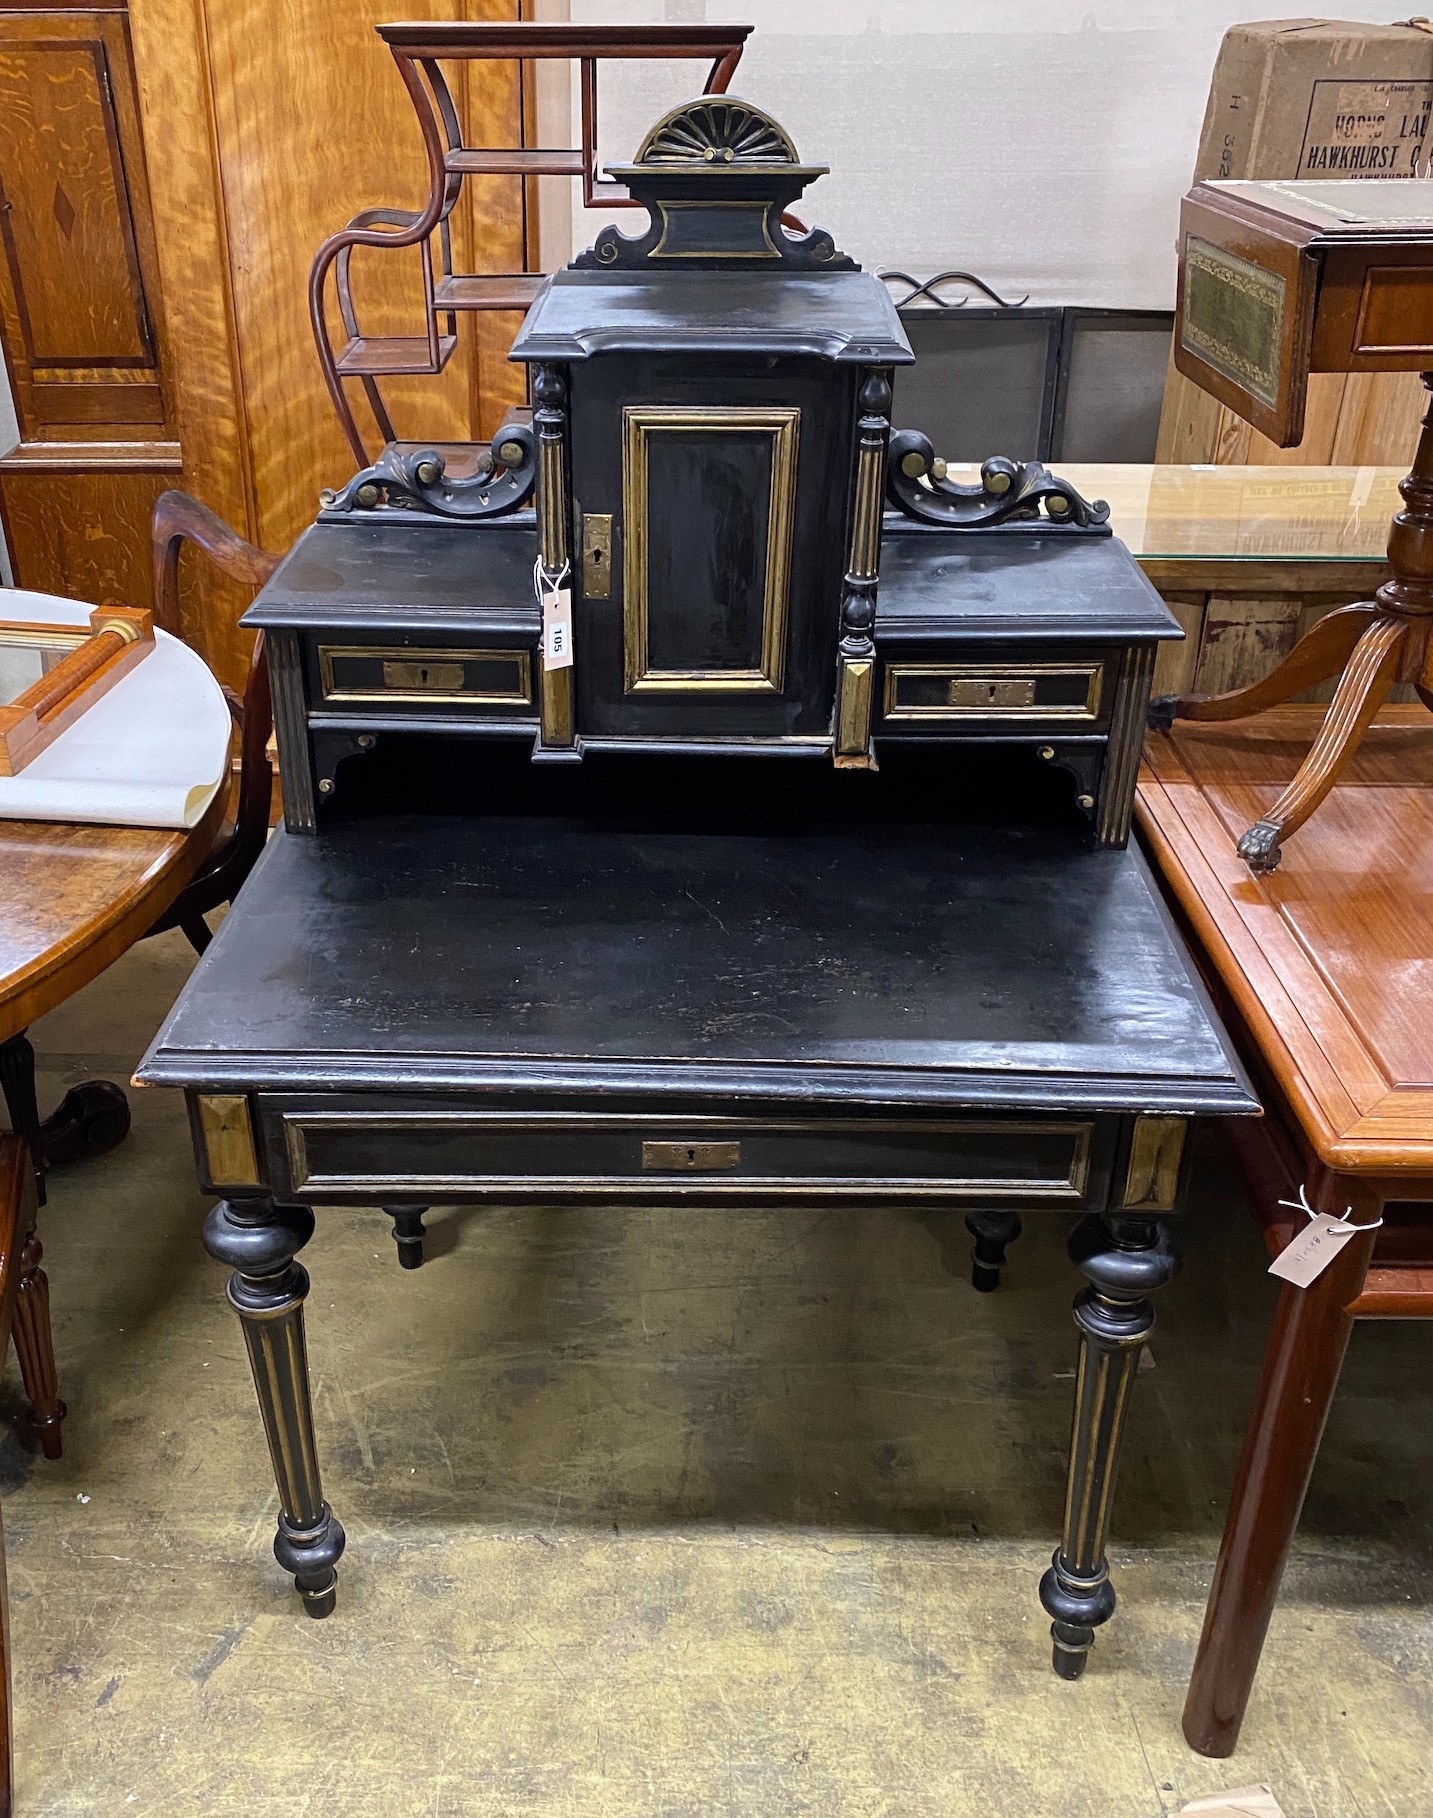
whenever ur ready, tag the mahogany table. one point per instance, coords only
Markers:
(72, 898)
(1324, 971)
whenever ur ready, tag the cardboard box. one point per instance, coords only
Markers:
(1313, 98)
(1319, 98)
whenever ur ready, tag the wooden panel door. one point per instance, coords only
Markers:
(78, 272)
(81, 322)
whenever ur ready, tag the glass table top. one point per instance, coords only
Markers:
(1323, 514)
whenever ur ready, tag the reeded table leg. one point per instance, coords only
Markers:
(993, 1232)
(267, 1290)
(35, 1348)
(1125, 1259)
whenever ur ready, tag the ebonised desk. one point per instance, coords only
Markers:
(734, 999)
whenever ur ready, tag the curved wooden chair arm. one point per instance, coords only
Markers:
(178, 517)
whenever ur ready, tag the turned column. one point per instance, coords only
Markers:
(1125, 1258)
(549, 419)
(267, 1290)
(856, 658)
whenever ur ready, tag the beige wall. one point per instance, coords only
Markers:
(1044, 147)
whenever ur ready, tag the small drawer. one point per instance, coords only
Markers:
(380, 1153)
(1054, 693)
(352, 675)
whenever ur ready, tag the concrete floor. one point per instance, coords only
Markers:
(661, 1515)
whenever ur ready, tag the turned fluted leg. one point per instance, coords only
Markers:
(259, 1241)
(994, 1232)
(35, 1348)
(1125, 1259)
(408, 1233)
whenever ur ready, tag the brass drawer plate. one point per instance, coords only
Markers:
(690, 1158)
(1065, 692)
(365, 674)
(402, 1153)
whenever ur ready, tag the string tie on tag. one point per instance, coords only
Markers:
(1344, 1226)
(544, 577)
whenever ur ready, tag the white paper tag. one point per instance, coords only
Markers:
(1311, 1252)
(1243, 1802)
(557, 628)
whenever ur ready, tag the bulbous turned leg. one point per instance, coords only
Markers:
(408, 1233)
(993, 1233)
(1125, 1259)
(267, 1290)
(35, 1348)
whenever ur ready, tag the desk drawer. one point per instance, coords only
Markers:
(399, 676)
(383, 1153)
(928, 694)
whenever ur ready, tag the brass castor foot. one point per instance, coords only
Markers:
(1259, 847)
(1160, 714)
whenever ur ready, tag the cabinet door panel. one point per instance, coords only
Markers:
(75, 260)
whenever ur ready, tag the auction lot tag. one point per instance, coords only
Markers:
(1311, 1252)
(556, 627)
(1243, 1802)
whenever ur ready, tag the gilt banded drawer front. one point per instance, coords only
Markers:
(356, 674)
(357, 1153)
(919, 692)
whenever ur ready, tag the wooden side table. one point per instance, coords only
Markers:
(1323, 971)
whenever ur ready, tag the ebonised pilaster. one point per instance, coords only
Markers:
(856, 662)
(549, 393)
(267, 1290)
(1126, 741)
(1125, 1259)
(296, 765)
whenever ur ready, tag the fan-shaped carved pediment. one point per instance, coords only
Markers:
(717, 130)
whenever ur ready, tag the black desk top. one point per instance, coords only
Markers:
(477, 579)
(870, 964)
(1013, 584)
(371, 572)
